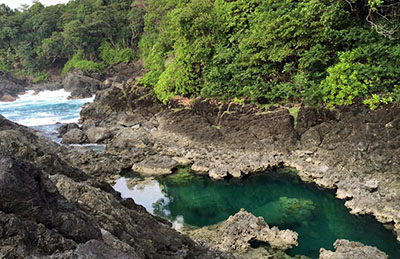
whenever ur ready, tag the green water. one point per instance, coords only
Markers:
(282, 200)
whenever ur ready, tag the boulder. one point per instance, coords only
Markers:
(155, 165)
(10, 87)
(74, 136)
(65, 128)
(80, 85)
(346, 249)
(97, 134)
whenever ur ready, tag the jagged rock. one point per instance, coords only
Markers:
(52, 86)
(74, 136)
(31, 208)
(49, 208)
(97, 134)
(155, 165)
(10, 87)
(127, 138)
(240, 230)
(371, 185)
(80, 85)
(93, 249)
(351, 250)
(65, 128)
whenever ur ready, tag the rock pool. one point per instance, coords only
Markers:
(281, 198)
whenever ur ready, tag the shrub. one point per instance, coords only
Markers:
(78, 61)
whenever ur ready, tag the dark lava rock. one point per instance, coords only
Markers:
(74, 136)
(66, 127)
(10, 87)
(80, 85)
(49, 208)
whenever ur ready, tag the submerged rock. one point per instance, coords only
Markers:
(351, 250)
(242, 230)
(287, 211)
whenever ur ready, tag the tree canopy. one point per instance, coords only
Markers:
(264, 51)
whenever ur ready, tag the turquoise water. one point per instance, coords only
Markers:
(44, 108)
(282, 200)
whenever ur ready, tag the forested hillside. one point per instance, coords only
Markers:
(263, 51)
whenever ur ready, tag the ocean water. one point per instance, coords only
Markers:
(44, 108)
(44, 111)
(282, 200)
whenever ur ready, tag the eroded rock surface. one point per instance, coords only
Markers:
(51, 209)
(351, 250)
(351, 149)
(239, 231)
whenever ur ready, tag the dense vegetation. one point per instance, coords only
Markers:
(89, 34)
(265, 51)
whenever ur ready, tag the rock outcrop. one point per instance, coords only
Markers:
(351, 149)
(10, 87)
(351, 250)
(242, 230)
(81, 85)
(53, 210)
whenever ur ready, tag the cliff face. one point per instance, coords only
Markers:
(51, 209)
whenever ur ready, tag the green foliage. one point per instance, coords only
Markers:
(364, 71)
(78, 61)
(313, 51)
(40, 76)
(39, 38)
(111, 56)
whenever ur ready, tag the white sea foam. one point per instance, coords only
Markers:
(43, 108)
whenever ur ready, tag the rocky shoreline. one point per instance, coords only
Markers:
(351, 149)
(49, 208)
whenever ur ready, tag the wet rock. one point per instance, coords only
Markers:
(51, 86)
(238, 232)
(155, 165)
(350, 250)
(288, 210)
(74, 136)
(97, 134)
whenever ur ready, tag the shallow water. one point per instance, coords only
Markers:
(282, 200)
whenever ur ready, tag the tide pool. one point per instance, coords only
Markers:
(282, 199)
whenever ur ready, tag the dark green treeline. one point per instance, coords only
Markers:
(264, 51)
